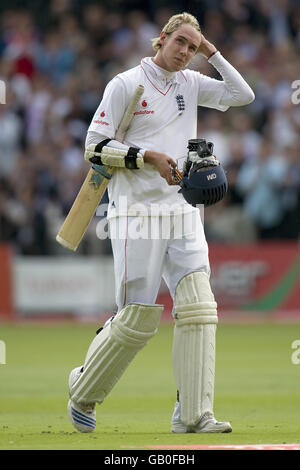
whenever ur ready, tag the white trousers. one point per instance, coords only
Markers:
(147, 249)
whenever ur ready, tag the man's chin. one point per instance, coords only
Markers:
(178, 65)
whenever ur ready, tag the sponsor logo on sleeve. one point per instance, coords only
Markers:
(101, 120)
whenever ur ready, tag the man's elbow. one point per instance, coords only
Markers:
(240, 97)
(247, 97)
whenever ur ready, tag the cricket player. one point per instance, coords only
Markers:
(144, 198)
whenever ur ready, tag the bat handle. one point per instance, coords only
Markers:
(102, 170)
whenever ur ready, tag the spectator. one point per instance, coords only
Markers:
(10, 136)
(55, 58)
(260, 183)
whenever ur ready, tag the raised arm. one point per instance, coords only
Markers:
(233, 89)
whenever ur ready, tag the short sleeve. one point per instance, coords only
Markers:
(111, 109)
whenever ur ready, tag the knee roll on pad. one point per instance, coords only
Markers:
(195, 313)
(113, 349)
(194, 300)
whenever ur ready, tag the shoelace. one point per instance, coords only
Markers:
(88, 408)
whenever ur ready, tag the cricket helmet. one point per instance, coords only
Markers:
(204, 180)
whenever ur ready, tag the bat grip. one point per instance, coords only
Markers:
(101, 169)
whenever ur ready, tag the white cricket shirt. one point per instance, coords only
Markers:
(166, 118)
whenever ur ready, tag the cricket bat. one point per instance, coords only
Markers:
(93, 188)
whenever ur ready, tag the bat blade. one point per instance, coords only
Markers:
(83, 209)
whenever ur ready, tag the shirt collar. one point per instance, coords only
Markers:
(157, 73)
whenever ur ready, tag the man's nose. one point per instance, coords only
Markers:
(183, 50)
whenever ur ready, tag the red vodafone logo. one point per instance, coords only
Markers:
(144, 104)
(100, 121)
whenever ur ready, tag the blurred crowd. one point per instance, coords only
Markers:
(56, 58)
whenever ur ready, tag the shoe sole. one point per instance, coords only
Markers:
(215, 430)
(226, 431)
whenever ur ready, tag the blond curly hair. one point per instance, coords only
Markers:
(174, 23)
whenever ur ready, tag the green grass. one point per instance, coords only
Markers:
(257, 389)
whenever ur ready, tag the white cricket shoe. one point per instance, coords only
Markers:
(207, 424)
(83, 417)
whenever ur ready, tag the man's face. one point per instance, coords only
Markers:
(178, 48)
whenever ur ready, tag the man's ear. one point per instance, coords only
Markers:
(162, 37)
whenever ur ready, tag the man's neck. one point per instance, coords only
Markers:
(161, 66)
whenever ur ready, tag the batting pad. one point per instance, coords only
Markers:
(113, 349)
(195, 313)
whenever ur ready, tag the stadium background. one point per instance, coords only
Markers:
(55, 59)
